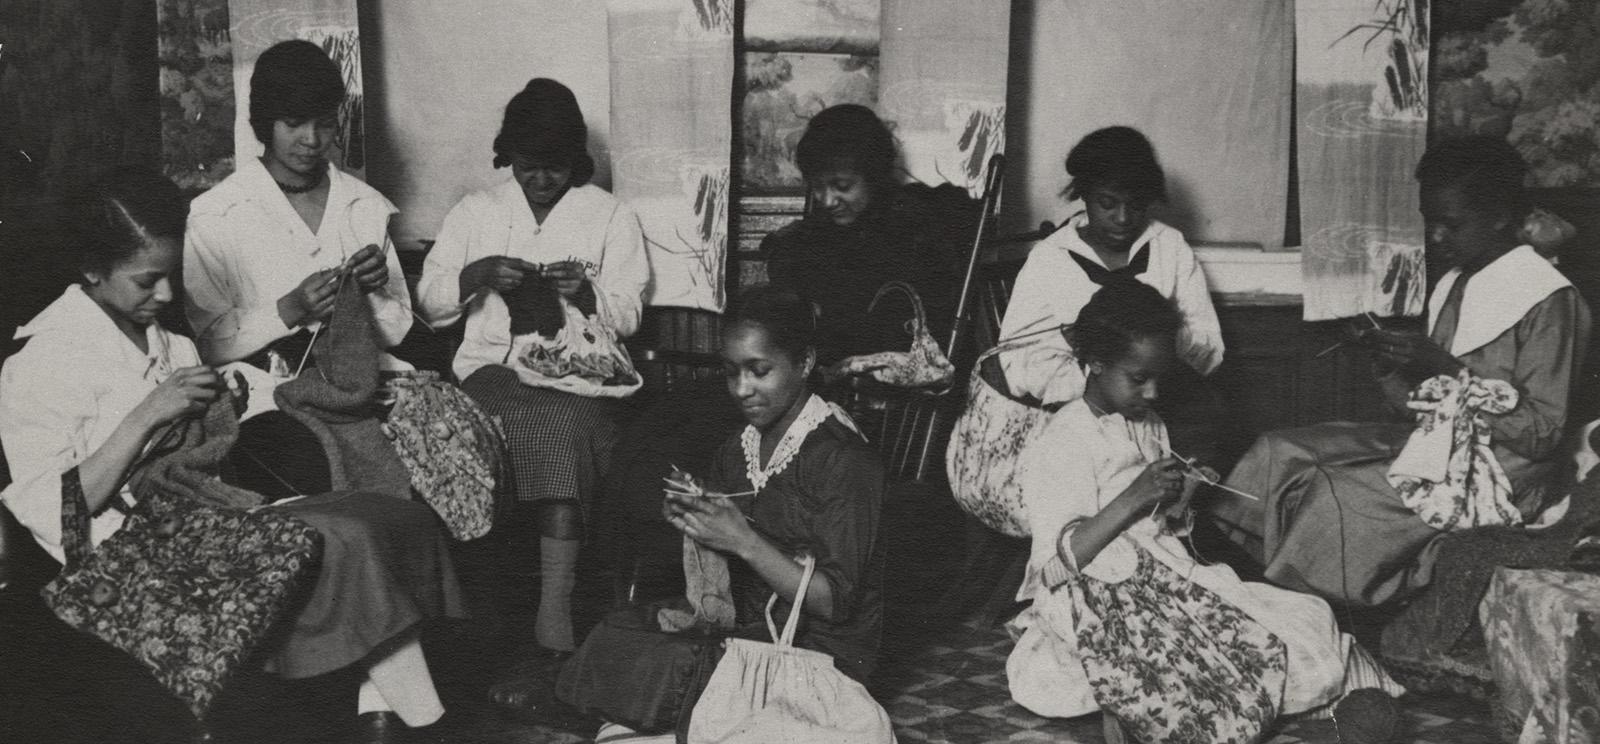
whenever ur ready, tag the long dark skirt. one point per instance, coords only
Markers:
(385, 568)
(560, 443)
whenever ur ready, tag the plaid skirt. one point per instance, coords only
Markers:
(560, 443)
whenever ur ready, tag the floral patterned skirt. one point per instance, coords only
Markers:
(1173, 661)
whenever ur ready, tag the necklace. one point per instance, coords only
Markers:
(292, 189)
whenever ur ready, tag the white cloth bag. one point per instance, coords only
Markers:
(773, 692)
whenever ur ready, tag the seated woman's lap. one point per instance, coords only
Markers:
(560, 443)
(385, 567)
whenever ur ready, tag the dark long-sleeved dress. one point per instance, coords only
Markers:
(826, 503)
(918, 237)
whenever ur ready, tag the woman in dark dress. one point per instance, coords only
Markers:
(818, 491)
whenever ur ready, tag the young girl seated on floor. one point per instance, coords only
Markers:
(1102, 488)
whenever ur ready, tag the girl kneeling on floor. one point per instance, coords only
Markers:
(1123, 618)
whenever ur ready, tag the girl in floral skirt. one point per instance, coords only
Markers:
(1122, 617)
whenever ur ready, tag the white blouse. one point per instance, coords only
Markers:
(63, 395)
(588, 224)
(1051, 289)
(246, 247)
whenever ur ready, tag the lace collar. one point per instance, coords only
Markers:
(815, 412)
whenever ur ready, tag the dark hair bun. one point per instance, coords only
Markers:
(545, 123)
(121, 212)
(1121, 312)
(1488, 170)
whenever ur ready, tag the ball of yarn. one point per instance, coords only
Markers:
(1366, 716)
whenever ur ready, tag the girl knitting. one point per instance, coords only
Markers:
(1103, 490)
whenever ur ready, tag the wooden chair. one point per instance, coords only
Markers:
(914, 425)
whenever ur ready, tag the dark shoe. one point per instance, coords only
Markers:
(387, 728)
(380, 727)
(1367, 716)
(528, 693)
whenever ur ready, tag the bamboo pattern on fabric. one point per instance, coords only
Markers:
(1173, 661)
(1448, 473)
(671, 143)
(1362, 107)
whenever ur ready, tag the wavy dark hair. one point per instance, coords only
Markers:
(1119, 158)
(848, 135)
(544, 122)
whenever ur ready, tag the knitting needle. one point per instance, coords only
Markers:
(1369, 317)
(1199, 475)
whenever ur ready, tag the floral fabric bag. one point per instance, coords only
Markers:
(924, 367)
(986, 446)
(1173, 661)
(188, 588)
(455, 452)
(584, 357)
(1448, 473)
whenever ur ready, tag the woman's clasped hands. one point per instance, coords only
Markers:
(707, 517)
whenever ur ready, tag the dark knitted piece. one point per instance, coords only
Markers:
(187, 456)
(335, 400)
(1438, 617)
(535, 307)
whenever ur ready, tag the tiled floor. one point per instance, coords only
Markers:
(953, 691)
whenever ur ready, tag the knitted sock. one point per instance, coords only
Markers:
(404, 685)
(558, 563)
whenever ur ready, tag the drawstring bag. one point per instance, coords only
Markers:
(1448, 473)
(584, 357)
(924, 366)
(774, 692)
(192, 583)
(986, 446)
(454, 451)
(1172, 661)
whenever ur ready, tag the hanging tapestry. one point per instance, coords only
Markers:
(1219, 119)
(197, 112)
(1523, 70)
(801, 56)
(943, 86)
(1362, 100)
(671, 139)
(256, 25)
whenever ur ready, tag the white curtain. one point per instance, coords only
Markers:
(1361, 92)
(942, 85)
(1208, 82)
(671, 139)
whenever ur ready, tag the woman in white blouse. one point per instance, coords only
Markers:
(264, 248)
(546, 229)
(265, 251)
(99, 378)
(1115, 174)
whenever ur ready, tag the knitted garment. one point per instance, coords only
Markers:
(535, 307)
(335, 400)
(186, 459)
(1448, 473)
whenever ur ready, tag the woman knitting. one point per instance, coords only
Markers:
(503, 256)
(1106, 498)
(99, 379)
